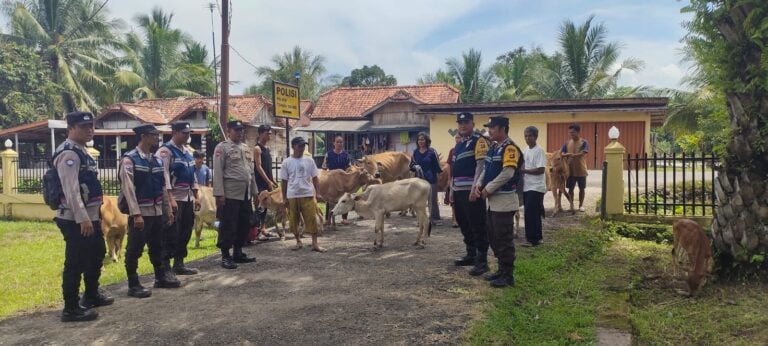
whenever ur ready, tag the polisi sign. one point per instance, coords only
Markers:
(285, 98)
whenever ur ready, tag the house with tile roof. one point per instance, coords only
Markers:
(374, 119)
(114, 124)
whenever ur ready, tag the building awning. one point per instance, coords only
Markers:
(336, 126)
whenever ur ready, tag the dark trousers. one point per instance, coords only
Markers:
(177, 235)
(502, 237)
(83, 256)
(235, 221)
(261, 216)
(471, 219)
(151, 235)
(434, 207)
(534, 212)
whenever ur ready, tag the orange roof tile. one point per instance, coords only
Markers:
(164, 111)
(357, 101)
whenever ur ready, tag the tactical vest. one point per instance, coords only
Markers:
(182, 168)
(494, 164)
(148, 179)
(464, 162)
(88, 176)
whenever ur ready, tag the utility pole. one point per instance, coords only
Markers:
(224, 103)
(211, 6)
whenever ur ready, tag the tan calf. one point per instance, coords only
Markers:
(558, 177)
(691, 240)
(114, 225)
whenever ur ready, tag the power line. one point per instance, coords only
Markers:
(242, 57)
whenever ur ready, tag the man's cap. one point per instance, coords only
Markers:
(75, 118)
(464, 116)
(235, 125)
(181, 126)
(498, 121)
(298, 141)
(264, 128)
(145, 129)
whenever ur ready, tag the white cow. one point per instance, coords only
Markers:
(380, 199)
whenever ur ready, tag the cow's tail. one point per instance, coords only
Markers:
(429, 228)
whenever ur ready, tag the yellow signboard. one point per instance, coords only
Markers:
(285, 98)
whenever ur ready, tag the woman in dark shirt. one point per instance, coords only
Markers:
(337, 158)
(427, 166)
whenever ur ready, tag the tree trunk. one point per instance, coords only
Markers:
(740, 227)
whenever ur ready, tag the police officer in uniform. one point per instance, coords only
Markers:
(78, 220)
(142, 180)
(233, 186)
(181, 184)
(498, 184)
(469, 155)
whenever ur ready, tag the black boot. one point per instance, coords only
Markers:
(73, 312)
(481, 264)
(135, 289)
(506, 279)
(240, 257)
(228, 263)
(164, 277)
(467, 260)
(492, 276)
(180, 269)
(95, 299)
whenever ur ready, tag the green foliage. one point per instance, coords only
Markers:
(438, 77)
(515, 72)
(368, 76)
(213, 124)
(157, 65)
(474, 83)
(75, 39)
(658, 233)
(26, 91)
(310, 67)
(582, 67)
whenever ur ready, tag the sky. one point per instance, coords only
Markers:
(408, 38)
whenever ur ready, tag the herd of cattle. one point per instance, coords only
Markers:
(388, 185)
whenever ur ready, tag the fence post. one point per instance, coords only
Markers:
(10, 158)
(614, 194)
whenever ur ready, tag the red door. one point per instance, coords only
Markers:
(596, 133)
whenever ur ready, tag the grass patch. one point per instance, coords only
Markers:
(723, 313)
(32, 259)
(556, 298)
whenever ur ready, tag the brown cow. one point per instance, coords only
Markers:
(691, 239)
(114, 225)
(444, 177)
(334, 183)
(273, 201)
(559, 176)
(389, 166)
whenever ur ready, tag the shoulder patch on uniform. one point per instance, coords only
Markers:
(70, 162)
(163, 153)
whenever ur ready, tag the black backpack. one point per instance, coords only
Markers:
(52, 191)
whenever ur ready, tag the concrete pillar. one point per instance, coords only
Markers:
(10, 179)
(614, 193)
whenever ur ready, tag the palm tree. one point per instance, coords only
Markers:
(582, 68)
(515, 72)
(310, 67)
(156, 65)
(438, 77)
(76, 39)
(474, 83)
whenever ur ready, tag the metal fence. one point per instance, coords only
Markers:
(671, 185)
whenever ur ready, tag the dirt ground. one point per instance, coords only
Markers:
(349, 295)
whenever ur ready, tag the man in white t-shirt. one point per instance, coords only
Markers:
(298, 179)
(534, 186)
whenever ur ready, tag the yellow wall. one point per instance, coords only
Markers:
(443, 142)
(25, 207)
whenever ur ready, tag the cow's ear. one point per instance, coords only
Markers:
(357, 198)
